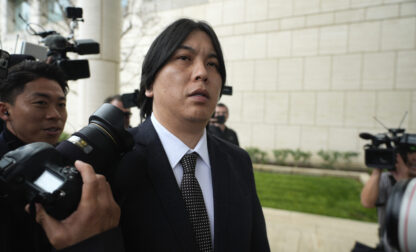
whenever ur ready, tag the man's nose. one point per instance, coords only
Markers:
(54, 113)
(200, 71)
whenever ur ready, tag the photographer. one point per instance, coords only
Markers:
(116, 101)
(33, 107)
(217, 125)
(378, 189)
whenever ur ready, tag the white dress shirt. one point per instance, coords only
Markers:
(175, 149)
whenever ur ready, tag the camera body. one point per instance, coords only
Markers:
(39, 172)
(58, 47)
(220, 119)
(381, 152)
(130, 99)
(55, 50)
(4, 63)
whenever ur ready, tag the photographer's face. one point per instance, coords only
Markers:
(221, 111)
(126, 112)
(188, 86)
(411, 163)
(38, 113)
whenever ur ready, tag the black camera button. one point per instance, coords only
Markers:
(74, 170)
(6, 163)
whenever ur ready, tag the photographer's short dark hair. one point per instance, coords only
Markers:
(222, 105)
(162, 50)
(21, 74)
(112, 98)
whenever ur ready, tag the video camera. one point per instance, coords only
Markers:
(381, 152)
(38, 172)
(57, 47)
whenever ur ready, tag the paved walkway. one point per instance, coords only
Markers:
(299, 232)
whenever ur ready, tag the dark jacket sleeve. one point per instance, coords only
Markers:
(259, 233)
(110, 240)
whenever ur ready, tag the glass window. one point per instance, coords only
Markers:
(20, 7)
(56, 9)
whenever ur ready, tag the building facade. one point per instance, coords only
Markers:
(307, 74)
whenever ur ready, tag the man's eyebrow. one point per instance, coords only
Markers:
(38, 94)
(185, 47)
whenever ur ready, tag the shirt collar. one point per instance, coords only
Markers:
(175, 149)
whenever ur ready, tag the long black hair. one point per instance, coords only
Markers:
(162, 50)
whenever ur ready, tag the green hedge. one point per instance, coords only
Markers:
(289, 157)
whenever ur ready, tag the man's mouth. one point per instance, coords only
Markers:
(200, 92)
(53, 130)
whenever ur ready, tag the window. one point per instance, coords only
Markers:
(21, 8)
(56, 9)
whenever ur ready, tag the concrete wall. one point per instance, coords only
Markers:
(308, 74)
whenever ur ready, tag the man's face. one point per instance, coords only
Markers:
(221, 111)
(187, 88)
(38, 113)
(127, 113)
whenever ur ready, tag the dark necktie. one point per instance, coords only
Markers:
(194, 203)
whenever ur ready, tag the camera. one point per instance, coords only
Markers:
(381, 152)
(4, 64)
(39, 172)
(401, 216)
(130, 99)
(227, 90)
(220, 119)
(58, 46)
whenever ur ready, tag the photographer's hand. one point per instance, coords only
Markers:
(213, 121)
(402, 171)
(96, 212)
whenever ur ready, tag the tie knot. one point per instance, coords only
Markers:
(188, 162)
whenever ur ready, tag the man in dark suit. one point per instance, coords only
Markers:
(182, 78)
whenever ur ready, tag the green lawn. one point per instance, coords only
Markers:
(330, 196)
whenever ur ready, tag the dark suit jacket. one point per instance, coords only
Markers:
(153, 212)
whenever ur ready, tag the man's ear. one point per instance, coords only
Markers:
(149, 92)
(4, 111)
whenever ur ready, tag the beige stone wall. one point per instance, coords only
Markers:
(308, 74)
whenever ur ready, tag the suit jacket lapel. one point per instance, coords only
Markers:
(163, 179)
(220, 167)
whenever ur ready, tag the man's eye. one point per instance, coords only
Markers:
(213, 64)
(63, 105)
(183, 57)
(40, 102)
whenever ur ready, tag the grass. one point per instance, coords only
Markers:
(330, 196)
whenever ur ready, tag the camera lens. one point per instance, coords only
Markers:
(401, 216)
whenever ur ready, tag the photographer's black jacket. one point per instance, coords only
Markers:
(20, 232)
(228, 134)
